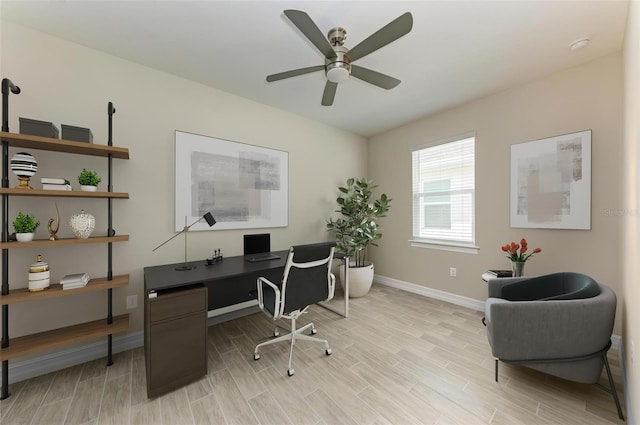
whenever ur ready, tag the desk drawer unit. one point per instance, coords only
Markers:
(175, 338)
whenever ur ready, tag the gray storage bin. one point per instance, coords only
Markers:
(38, 128)
(77, 134)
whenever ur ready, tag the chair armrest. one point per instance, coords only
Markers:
(265, 284)
(332, 286)
(494, 286)
(526, 330)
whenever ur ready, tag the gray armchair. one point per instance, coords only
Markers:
(560, 324)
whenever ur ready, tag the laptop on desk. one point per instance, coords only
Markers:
(258, 248)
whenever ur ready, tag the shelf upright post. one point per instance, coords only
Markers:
(110, 111)
(7, 87)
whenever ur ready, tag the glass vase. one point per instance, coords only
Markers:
(518, 268)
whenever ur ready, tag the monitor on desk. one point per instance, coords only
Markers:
(257, 247)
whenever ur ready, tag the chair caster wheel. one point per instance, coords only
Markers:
(328, 351)
(314, 331)
(256, 356)
(290, 372)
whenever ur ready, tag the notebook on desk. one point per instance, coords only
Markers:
(258, 248)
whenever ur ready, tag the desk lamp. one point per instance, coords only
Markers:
(210, 221)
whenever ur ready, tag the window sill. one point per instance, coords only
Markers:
(443, 246)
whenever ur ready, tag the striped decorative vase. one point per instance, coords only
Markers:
(24, 165)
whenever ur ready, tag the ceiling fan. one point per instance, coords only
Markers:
(338, 62)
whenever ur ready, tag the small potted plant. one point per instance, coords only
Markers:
(88, 180)
(25, 226)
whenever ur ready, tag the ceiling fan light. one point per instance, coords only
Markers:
(337, 74)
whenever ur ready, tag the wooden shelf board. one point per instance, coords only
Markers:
(56, 338)
(59, 145)
(23, 295)
(43, 243)
(62, 193)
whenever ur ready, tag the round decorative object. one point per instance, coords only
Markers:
(24, 165)
(38, 275)
(24, 237)
(87, 188)
(82, 224)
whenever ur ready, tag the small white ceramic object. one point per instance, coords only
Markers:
(82, 224)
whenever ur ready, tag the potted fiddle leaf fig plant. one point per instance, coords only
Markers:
(88, 180)
(357, 228)
(25, 226)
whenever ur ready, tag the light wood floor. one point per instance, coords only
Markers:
(399, 359)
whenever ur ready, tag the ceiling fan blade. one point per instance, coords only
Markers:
(385, 35)
(304, 23)
(329, 93)
(293, 73)
(373, 77)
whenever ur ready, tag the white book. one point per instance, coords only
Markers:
(54, 180)
(52, 186)
(73, 286)
(75, 278)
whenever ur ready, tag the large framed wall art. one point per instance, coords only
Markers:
(551, 182)
(243, 186)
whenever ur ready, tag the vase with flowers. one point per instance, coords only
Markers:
(518, 254)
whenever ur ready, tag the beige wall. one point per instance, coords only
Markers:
(631, 229)
(67, 83)
(585, 97)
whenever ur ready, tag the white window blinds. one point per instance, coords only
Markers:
(443, 192)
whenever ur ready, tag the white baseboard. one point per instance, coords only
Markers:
(431, 293)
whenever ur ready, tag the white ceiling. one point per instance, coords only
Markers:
(456, 52)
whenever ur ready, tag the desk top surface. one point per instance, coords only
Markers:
(166, 276)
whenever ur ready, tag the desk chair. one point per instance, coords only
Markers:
(307, 280)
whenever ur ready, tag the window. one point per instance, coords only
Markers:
(443, 194)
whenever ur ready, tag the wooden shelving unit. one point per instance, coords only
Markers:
(56, 338)
(66, 146)
(62, 193)
(60, 337)
(44, 243)
(23, 295)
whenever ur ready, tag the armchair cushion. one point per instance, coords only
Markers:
(556, 286)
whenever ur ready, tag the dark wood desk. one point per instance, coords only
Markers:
(176, 304)
(230, 281)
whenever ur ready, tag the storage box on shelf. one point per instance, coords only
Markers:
(56, 338)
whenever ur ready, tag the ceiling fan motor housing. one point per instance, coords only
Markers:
(338, 69)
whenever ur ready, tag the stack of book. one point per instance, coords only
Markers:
(72, 281)
(53, 183)
(500, 273)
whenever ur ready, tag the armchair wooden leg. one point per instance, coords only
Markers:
(496, 370)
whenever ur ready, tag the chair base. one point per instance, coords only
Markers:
(293, 336)
(611, 390)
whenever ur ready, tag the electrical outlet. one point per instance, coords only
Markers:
(132, 301)
(452, 271)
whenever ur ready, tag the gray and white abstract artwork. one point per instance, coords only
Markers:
(243, 186)
(551, 182)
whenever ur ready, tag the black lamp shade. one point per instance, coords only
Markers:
(210, 220)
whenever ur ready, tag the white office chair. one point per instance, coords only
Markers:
(307, 280)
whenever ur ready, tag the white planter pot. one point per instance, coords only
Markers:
(360, 279)
(24, 237)
(86, 188)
